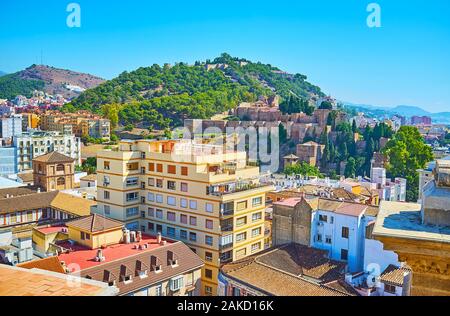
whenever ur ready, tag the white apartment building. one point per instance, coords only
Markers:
(11, 126)
(388, 190)
(339, 227)
(37, 143)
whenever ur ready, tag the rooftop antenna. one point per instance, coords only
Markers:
(42, 58)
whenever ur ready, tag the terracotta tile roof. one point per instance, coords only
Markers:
(342, 286)
(394, 275)
(54, 157)
(126, 260)
(95, 223)
(16, 281)
(303, 261)
(341, 193)
(276, 283)
(30, 202)
(58, 200)
(291, 202)
(372, 211)
(17, 191)
(329, 205)
(72, 204)
(290, 270)
(351, 209)
(26, 177)
(91, 177)
(49, 264)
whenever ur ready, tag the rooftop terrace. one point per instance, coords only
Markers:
(85, 257)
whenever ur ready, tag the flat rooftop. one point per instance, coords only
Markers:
(85, 257)
(52, 229)
(404, 220)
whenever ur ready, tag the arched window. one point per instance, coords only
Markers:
(60, 168)
(61, 181)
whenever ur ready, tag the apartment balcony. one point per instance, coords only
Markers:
(227, 209)
(226, 226)
(223, 168)
(225, 213)
(226, 246)
(226, 257)
(233, 187)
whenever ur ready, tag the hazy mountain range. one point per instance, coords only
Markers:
(2, 73)
(404, 110)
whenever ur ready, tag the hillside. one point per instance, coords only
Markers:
(163, 96)
(49, 79)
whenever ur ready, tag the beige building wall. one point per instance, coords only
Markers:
(192, 175)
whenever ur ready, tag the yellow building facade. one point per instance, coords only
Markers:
(208, 198)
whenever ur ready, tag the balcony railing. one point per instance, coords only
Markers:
(227, 212)
(226, 228)
(227, 246)
(226, 257)
(235, 187)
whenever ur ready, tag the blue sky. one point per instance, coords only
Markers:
(406, 61)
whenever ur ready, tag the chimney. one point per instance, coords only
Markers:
(126, 236)
(159, 238)
(139, 236)
(100, 257)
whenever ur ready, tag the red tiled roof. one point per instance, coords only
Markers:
(52, 229)
(394, 275)
(351, 209)
(95, 223)
(289, 202)
(54, 157)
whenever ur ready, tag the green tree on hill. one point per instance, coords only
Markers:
(408, 152)
(303, 169)
(350, 168)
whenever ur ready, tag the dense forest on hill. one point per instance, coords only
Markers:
(163, 96)
(12, 86)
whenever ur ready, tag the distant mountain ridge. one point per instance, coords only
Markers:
(404, 110)
(48, 79)
(2, 73)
